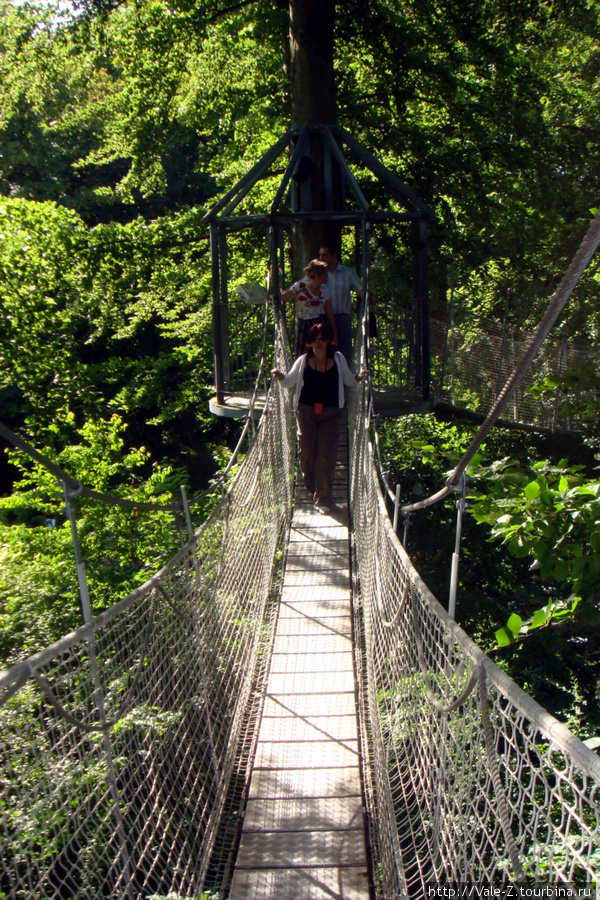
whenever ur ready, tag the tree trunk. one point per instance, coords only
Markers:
(312, 89)
(313, 102)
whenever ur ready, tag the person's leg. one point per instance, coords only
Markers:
(307, 444)
(329, 427)
(344, 330)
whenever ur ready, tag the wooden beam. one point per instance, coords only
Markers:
(350, 217)
(397, 187)
(296, 154)
(341, 161)
(239, 191)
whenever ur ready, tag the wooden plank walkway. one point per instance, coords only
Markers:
(303, 834)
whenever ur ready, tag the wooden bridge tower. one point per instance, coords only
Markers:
(318, 195)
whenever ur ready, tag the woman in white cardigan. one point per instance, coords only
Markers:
(318, 378)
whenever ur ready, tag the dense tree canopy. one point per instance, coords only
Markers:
(489, 110)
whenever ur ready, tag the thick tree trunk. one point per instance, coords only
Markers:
(313, 91)
(313, 102)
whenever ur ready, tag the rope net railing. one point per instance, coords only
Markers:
(120, 742)
(471, 363)
(467, 779)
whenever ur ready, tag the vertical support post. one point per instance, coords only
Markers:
(274, 269)
(280, 240)
(186, 512)
(365, 236)
(366, 273)
(86, 611)
(405, 534)
(513, 363)
(502, 344)
(217, 325)
(190, 531)
(562, 366)
(84, 594)
(357, 249)
(449, 325)
(394, 364)
(224, 299)
(460, 510)
(417, 343)
(396, 507)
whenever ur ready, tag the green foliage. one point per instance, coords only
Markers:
(550, 514)
(576, 396)
(558, 665)
(112, 320)
(490, 111)
(122, 547)
(138, 111)
(41, 269)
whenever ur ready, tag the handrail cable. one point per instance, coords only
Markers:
(463, 781)
(77, 486)
(579, 262)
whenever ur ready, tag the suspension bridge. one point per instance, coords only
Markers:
(284, 710)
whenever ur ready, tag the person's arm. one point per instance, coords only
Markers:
(348, 377)
(287, 294)
(332, 322)
(356, 285)
(288, 380)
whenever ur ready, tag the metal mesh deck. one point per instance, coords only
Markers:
(303, 833)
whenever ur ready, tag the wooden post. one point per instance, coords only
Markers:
(224, 304)
(216, 315)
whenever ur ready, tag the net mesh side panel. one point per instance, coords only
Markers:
(472, 361)
(118, 743)
(467, 779)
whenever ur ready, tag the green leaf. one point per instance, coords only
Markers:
(533, 490)
(503, 637)
(517, 548)
(514, 624)
(560, 570)
(539, 618)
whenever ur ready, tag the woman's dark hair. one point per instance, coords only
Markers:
(320, 330)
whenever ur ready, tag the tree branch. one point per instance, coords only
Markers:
(228, 9)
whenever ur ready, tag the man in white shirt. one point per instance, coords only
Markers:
(342, 281)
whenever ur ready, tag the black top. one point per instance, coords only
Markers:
(320, 387)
